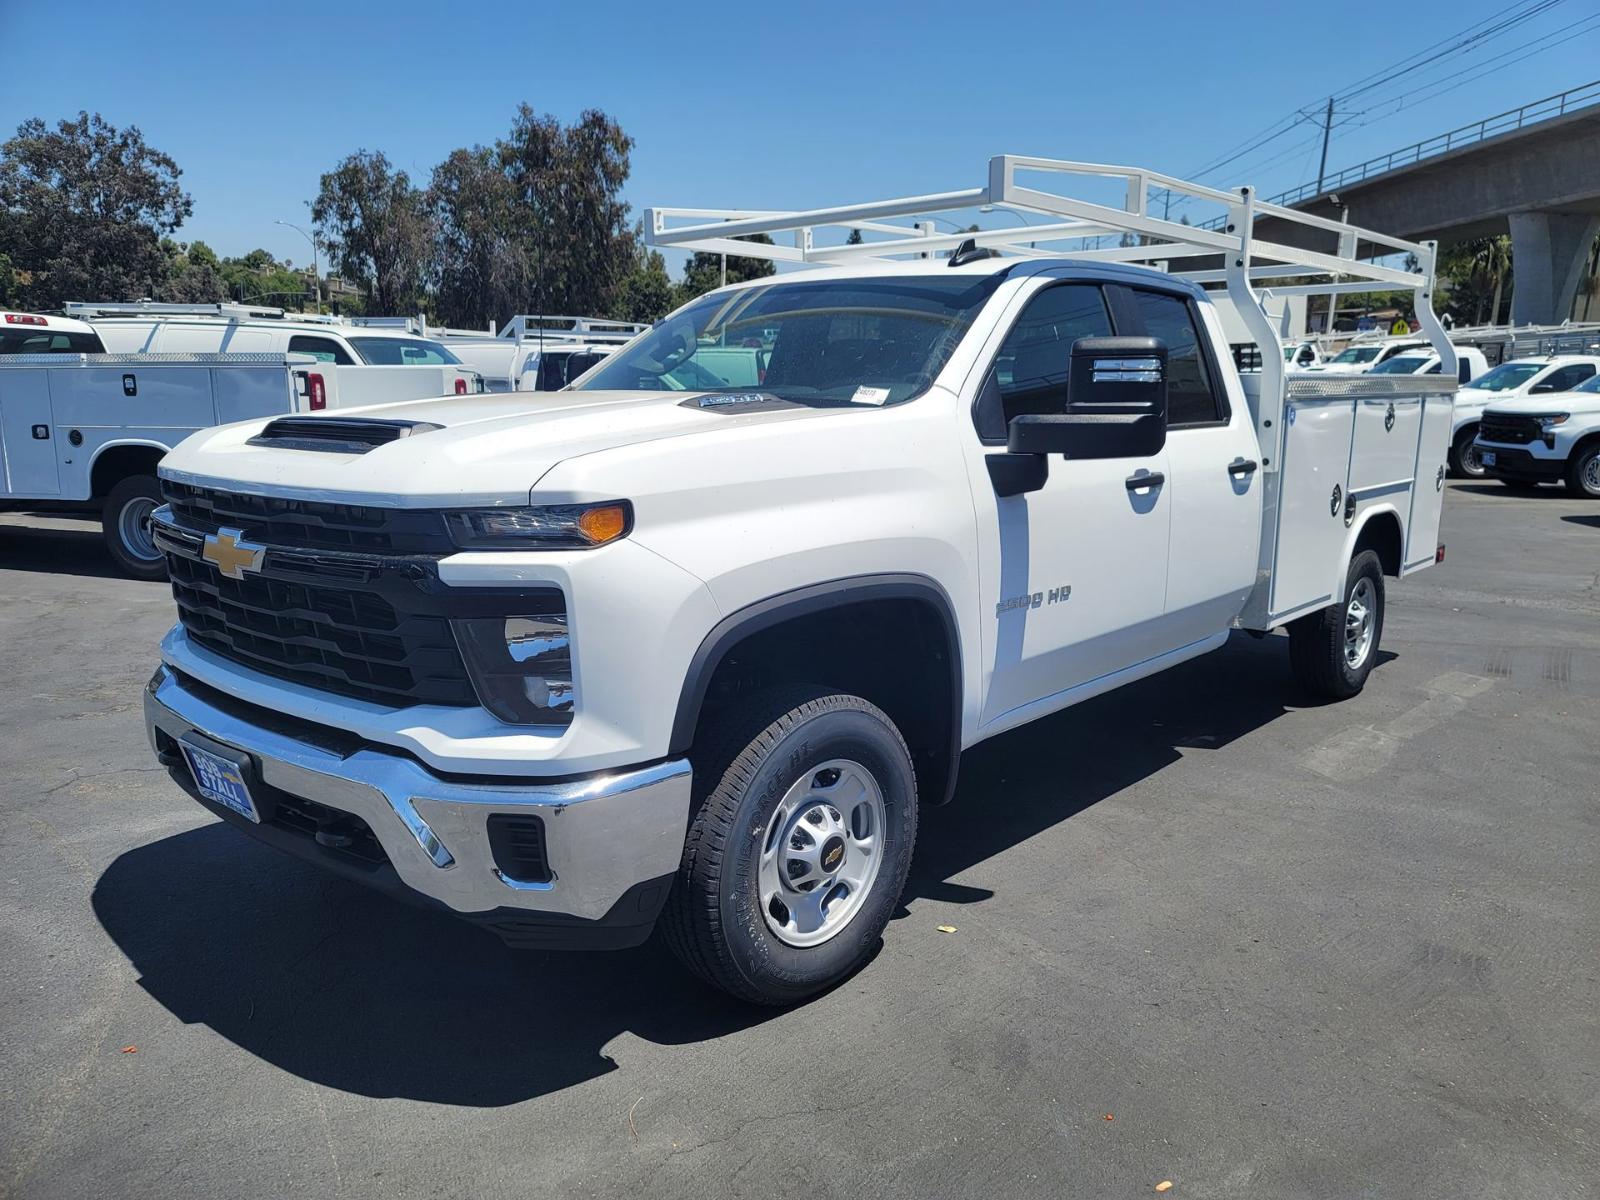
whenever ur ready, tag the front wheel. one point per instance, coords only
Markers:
(125, 521)
(1583, 473)
(798, 851)
(1464, 458)
(1333, 651)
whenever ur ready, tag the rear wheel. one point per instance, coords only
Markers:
(126, 523)
(1464, 458)
(1333, 651)
(1583, 472)
(799, 848)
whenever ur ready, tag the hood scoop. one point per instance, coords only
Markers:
(337, 435)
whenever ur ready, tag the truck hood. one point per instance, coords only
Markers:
(487, 449)
(1546, 402)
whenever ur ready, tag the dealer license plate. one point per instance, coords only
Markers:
(220, 780)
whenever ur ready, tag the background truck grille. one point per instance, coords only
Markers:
(1509, 430)
(340, 639)
(308, 523)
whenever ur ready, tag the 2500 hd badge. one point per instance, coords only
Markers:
(1032, 600)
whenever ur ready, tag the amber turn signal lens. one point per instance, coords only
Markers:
(603, 523)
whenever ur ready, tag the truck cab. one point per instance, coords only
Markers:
(537, 352)
(1536, 375)
(34, 333)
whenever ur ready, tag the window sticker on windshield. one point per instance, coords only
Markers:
(869, 395)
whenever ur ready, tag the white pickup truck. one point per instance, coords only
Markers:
(567, 665)
(1530, 377)
(535, 353)
(1549, 437)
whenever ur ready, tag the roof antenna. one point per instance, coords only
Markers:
(970, 251)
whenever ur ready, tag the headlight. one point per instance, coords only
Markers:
(521, 667)
(1548, 423)
(546, 527)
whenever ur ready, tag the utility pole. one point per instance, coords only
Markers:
(1327, 128)
(316, 270)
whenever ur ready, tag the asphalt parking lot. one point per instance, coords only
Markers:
(1205, 932)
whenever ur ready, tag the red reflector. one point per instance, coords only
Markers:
(20, 319)
(318, 391)
(1438, 555)
(461, 387)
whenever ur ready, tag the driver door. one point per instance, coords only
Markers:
(1078, 591)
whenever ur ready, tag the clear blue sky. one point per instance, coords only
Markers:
(758, 105)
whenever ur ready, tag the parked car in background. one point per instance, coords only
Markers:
(375, 364)
(1533, 376)
(1549, 437)
(1470, 363)
(1299, 355)
(35, 333)
(1360, 358)
(538, 353)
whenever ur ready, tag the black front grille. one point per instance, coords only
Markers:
(517, 843)
(312, 524)
(1509, 430)
(342, 639)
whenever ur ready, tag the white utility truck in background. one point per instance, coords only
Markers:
(37, 333)
(83, 432)
(1549, 437)
(564, 665)
(375, 364)
(536, 353)
(1537, 375)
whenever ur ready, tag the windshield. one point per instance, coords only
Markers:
(1400, 364)
(402, 352)
(1358, 354)
(864, 341)
(1507, 376)
(1591, 384)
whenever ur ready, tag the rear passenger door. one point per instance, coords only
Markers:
(1212, 472)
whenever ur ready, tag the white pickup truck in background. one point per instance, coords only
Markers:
(537, 353)
(1530, 376)
(1544, 437)
(566, 665)
(375, 364)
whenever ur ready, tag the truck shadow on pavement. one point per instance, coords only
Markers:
(56, 550)
(357, 992)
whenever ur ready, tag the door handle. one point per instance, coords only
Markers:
(1243, 467)
(1150, 479)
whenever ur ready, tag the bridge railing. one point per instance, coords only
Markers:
(1507, 122)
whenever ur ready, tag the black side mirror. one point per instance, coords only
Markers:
(1116, 404)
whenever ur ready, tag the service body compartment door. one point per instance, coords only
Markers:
(1427, 497)
(1312, 488)
(1385, 451)
(27, 433)
(245, 392)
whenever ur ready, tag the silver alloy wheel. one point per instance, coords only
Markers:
(1589, 477)
(133, 527)
(1359, 621)
(821, 852)
(1471, 461)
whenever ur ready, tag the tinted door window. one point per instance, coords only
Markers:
(324, 349)
(1031, 368)
(1564, 379)
(1191, 394)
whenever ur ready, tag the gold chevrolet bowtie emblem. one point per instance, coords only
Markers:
(227, 550)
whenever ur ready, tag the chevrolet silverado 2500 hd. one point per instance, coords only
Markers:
(1552, 437)
(568, 664)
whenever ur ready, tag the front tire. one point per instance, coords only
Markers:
(1583, 472)
(1333, 651)
(1464, 459)
(798, 850)
(125, 520)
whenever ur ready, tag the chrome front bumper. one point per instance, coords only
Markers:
(604, 833)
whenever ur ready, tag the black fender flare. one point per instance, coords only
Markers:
(805, 601)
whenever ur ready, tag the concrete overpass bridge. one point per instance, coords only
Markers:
(1533, 171)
